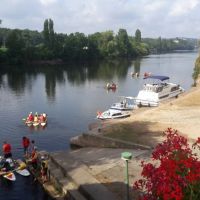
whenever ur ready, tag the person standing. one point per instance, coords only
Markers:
(25, 144)
(34, 159)
(32, 146)
(7, 150)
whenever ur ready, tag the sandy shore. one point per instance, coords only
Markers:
(182, 114)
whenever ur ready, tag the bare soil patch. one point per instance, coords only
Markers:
(146, 125)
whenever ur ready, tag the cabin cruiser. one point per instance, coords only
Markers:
(113, 114)
(123, 104)
(153, 93)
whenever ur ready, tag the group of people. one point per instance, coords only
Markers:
(36, 118)
(31, 156)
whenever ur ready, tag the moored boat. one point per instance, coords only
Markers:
(113, 114)
(153, 93)
(124, 104)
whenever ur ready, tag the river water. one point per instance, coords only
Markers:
(71, 96)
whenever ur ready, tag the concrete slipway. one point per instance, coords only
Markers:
(94, 173)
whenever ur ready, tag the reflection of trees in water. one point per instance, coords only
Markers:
(53, 75)
(136, 64)
(22, 77)
(16, 81)
(105, 70)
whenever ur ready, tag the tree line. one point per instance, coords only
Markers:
(19, 46)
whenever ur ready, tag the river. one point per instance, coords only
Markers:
(71, 96)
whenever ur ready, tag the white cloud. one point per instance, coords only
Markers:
(166, 18)
(182, 7)
(47, 2)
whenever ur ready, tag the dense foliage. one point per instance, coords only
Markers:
(24, 45)
(175, 175)
(19, 46)
(196, 71)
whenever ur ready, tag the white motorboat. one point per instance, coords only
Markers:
(153, 93)
(113, 114)
(124, 104)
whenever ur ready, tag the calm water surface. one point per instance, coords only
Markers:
(71, 96)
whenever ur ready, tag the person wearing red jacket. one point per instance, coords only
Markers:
(7, 150)
(25, 144)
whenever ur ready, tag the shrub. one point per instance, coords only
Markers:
(175, 172)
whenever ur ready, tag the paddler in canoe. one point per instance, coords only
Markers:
(29, 119)
(43, 119)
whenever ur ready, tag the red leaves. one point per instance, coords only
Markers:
(176, 173)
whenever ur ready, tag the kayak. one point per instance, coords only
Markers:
(43, 123)
(32, 123)
(10, 176)
(23, 172)
(21, 169)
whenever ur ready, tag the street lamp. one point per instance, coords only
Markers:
(126, 156)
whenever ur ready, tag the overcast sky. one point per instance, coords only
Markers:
(154, 18)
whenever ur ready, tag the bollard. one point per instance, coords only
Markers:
(126, 156)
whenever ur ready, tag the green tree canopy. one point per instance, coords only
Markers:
(138, 37)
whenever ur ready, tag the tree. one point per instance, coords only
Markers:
(123, 43)
(16, 45)
(196, 71)
(138, 36)
(48, 33)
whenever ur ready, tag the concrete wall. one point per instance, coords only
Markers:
(90, 140)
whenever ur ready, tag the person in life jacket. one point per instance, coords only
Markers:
(25, 144)
(43, 117)
(44, 171)
(36, 117)
(7, 150)
(34, 159)
(30, 117)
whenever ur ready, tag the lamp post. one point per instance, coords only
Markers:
(126, 156)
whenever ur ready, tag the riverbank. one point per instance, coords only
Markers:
(146, 125)
(98, 173)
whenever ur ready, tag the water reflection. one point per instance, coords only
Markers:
(20, 78)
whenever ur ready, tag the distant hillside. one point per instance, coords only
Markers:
(163, 45)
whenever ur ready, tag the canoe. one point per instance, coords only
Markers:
(10, 176)
(43, 123)
(23, 172)
(32, 123)
(36, 123)
(21, 169)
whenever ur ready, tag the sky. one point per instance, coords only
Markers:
(154, 18)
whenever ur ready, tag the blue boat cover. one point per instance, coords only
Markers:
(162, 78)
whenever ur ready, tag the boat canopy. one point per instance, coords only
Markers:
(162, 78)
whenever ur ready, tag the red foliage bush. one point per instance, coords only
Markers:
(176, 174)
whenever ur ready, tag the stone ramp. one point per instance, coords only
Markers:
(91, 173)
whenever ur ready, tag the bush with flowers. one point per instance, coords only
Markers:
(175, 175)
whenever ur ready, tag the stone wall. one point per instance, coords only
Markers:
(90, 140)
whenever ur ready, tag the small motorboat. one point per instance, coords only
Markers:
(125, 103)
(113, 114)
